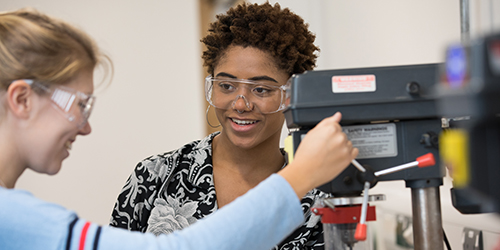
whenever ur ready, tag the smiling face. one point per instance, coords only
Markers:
(243, 125)
(50, 134)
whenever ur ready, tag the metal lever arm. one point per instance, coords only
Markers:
(360, 233)
(422, 161)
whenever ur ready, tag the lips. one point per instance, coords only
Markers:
(243, 125)
(243, 122)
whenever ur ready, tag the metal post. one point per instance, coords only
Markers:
(464, 21)
(427, 225)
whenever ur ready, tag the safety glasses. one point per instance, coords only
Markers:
(223, 93)
(75, 105)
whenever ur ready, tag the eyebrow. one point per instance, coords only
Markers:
(255, 78)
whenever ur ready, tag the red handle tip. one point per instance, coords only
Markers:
(426, 160)
(360, 233)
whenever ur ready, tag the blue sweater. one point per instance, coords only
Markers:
(27, 223)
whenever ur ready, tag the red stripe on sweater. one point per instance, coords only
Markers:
(84, 235)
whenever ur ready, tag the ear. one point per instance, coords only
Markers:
(19, 98)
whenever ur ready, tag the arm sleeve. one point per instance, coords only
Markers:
(260, 219)
(257, 220)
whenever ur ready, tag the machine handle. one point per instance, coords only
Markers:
(422, 161)
(358, 166)
(426, 160)
(360, 233)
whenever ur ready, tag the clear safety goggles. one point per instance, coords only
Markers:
(223, 93)
(75, 105)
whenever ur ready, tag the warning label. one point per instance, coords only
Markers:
(353, 84)
(374, 140)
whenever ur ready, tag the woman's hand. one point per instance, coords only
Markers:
(322, 155)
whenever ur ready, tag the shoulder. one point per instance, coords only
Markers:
(21, 201)
(20, 207)
(31, 223)
(160, 165)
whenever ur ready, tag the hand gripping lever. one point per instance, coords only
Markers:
(422, 161)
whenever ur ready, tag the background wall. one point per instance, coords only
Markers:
(155, 104)
(152, 105)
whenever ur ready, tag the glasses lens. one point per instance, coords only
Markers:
(86, 110)
(222, 93)
(82, 108)
(75, 106)
(63, 99)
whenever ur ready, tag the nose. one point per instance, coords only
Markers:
(85, 130)
(241, 104)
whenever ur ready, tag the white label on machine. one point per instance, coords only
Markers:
(374, 140)
(354, 83)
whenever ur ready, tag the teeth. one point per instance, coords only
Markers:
(68, 145)
(240, 122)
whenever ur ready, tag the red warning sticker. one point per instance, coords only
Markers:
(353, 84)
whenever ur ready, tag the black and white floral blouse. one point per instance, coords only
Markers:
(170, 191)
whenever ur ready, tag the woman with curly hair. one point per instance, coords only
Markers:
(46, 98)
(252, 50)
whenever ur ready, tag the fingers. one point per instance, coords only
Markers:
(324, 153)
(354, 153)
(332, 119)
(337, 117)
(349, 144)
(329, 125)
(343, 141)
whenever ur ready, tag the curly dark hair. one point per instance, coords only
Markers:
(277, 31)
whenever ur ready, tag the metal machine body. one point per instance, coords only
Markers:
(469, 96)
(390, 115)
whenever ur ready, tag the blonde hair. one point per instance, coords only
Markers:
(36, 46)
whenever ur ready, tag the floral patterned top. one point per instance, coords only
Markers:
(170, 191)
